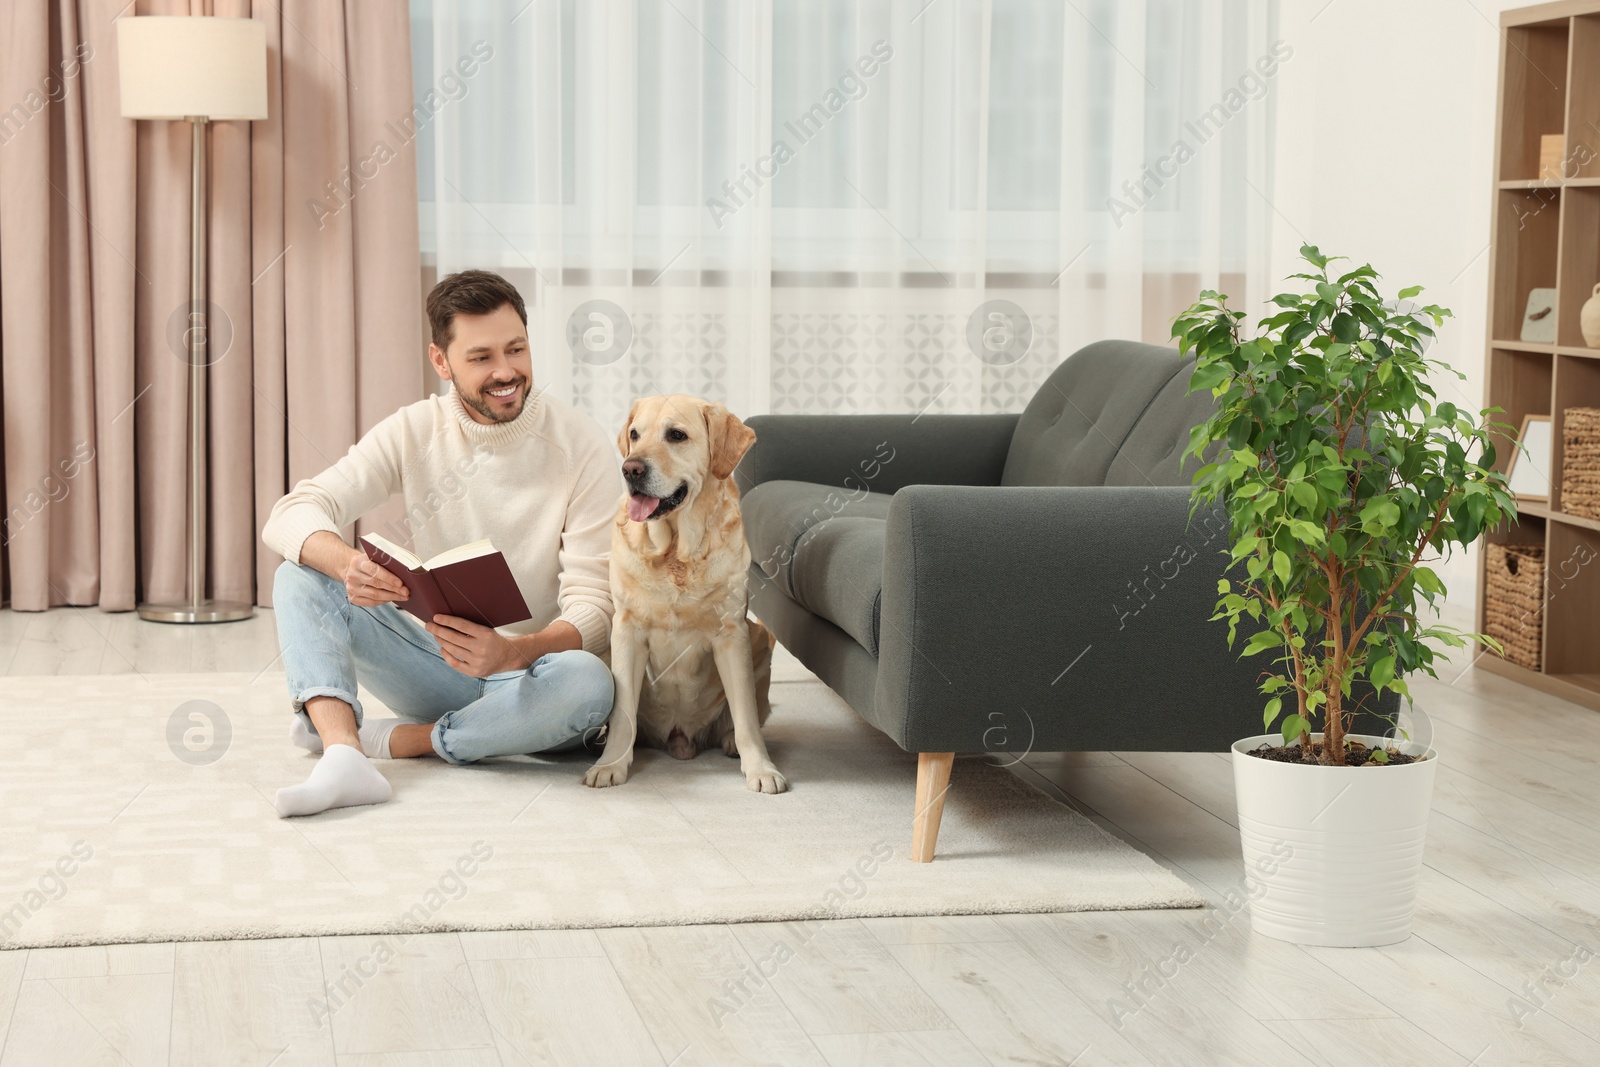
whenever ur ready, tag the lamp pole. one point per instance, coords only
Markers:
(197, 334)
(198, 609)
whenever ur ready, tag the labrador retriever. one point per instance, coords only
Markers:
(691, 669)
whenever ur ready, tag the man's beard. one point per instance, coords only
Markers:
(487, 407)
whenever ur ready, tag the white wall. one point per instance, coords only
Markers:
(1385, 135)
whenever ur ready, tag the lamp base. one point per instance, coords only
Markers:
(205, 611)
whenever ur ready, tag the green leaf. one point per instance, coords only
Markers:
(1293, 726)
(1381, 671)
(1262, 639)
(1408, 292)
(1297, 333)
(1208, 376)
(1280, 565)
(1274, 706)
(1307, 532)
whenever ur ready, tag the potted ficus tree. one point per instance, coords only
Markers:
(1343, 477)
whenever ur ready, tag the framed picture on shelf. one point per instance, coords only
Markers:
(1528, 472)
(1539, 320)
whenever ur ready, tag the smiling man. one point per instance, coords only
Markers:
(492, 458)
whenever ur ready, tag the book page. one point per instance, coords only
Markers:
(388, 547)
(456, 555)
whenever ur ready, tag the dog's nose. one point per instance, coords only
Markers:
(633, 468)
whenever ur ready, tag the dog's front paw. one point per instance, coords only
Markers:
(603, 774)
(766, 779)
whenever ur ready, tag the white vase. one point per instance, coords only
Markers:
(1589, 319)
(1332, 854)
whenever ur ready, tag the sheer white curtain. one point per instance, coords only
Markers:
(808, 205)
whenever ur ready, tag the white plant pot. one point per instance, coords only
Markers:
(1332, 854)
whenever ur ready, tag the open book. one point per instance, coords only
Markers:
(472, 581)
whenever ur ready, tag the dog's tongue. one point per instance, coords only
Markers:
(641, 507)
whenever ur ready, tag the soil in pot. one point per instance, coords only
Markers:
(1355, 755)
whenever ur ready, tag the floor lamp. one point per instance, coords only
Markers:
(194, 69)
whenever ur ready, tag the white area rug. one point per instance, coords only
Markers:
(106, 835)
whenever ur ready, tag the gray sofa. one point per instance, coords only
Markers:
(1006, 583)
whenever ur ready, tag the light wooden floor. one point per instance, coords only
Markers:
(1510, 896)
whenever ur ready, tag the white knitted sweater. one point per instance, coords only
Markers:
(543, 487)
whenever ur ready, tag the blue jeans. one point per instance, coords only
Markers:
(557, 704)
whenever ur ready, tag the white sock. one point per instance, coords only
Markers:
(374, 736)
(342, 778)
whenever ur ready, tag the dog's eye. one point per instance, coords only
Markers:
(633, 435)
(677, 435)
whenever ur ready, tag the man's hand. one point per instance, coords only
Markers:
(475, 650)
(368, 585)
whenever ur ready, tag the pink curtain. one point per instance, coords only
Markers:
(316, 330)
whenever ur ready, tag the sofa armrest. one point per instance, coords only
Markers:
(879, 453)
(1060, 619)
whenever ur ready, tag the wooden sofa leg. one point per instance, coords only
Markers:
(933, 782)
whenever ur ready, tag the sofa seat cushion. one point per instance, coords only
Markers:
(838, 574)
(824, 548)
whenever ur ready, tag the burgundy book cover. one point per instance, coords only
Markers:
(481, 589)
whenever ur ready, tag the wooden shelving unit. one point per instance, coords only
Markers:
(1546, 234)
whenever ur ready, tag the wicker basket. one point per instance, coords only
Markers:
(1513, 601)
(1580, 462)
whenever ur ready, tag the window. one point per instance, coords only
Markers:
(633, 129)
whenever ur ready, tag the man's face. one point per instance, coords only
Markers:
(489, 362)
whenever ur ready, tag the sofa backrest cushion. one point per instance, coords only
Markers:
(1071, 429)
(1149, 454)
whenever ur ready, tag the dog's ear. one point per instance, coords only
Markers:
(622, 434)
(729, 438)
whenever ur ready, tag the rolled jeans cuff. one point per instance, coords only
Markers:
(436, 738)
(325, 691)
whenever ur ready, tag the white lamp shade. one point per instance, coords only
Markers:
(178, 67)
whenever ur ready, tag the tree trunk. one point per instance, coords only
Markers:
(1333, 728)
(1333, 708)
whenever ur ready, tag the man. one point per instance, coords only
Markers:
(492, 458)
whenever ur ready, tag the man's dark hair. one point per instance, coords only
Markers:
(469, 292)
